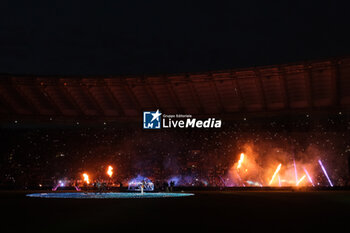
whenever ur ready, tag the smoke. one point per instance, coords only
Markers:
(212, 157)
(261, 162)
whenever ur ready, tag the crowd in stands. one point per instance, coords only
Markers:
(32, 156)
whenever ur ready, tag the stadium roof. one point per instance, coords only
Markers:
(269, 90)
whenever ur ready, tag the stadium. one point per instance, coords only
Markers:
(284, 133)
(175, 117)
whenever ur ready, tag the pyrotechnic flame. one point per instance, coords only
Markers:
(110, 171)
(86, 178)
(240, 161)
(276, 172)
(249, 165)
(301, 179)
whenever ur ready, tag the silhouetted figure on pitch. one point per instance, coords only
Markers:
(99, 186)
(172, 184)
(157, 185)
(166, 186)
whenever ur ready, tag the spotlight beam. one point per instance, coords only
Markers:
(301, 179)
(276, 172)
(324, 171)
(308, 176)
(295, 171)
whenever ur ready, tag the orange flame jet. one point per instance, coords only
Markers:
(86, 178)
(110, 171)
(240, 161)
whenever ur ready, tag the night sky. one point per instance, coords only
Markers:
(71, 38)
